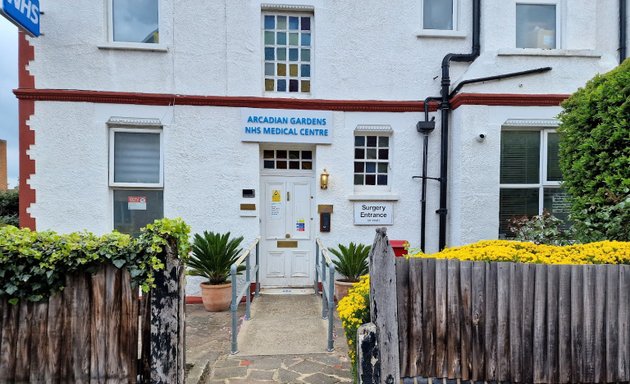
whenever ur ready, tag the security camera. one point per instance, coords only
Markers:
(481, 137)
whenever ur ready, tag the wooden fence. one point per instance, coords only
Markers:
(510, 322)
(89, 333)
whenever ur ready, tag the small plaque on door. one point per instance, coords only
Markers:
(287, 244)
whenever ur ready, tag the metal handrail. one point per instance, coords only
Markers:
(323, 265)
(246, 290)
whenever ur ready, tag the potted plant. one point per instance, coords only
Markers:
(212, 257)
(351, 264)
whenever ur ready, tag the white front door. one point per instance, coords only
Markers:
(287, 235)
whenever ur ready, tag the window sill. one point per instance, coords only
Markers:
(549, 52)
(374, 197)
(440, 33)
(135, 47)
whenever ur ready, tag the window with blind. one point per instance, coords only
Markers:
(136, 178)
(136, 158)
(530, 176)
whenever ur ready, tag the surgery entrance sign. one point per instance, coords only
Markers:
(24, 14)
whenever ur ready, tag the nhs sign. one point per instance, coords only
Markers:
(23, 13)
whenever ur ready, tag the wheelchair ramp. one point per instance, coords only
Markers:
(283, 325)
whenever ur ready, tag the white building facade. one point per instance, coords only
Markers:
(228, 113)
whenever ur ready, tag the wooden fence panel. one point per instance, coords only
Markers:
(453, 313)
(88, 333)
(564, 324)
(478, 320)
(510, 322)
(441, 276)
(402, 293)
(428, 301)
(529, 276)
(552, 373)
(465, 271)
(624, 323)
(540, 321)
(491, 322)
(516, 322)
(503, 321)
(416, 320)
(611, 325)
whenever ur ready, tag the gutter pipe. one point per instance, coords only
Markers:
(445, 107)
(426, 126)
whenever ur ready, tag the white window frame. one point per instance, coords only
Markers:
(542, 164)
(287, 10)
(112, 133)
(559, 12)
(374, 130)
(443, 32)
(111, 43)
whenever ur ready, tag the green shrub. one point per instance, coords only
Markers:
(595, 156)
(9, 208)
(34, 265)
(540, 229)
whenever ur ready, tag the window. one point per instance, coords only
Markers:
(134, 21)
(287, 159)
(536, 26)
(135, 171)
(371, 159)
(530, 176)
(288, 50)
(438, 14)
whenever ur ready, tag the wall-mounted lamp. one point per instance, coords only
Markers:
(323, 180)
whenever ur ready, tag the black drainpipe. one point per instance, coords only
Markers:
(622, 30)
(445, 106)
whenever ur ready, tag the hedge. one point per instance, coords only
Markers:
(34, 265)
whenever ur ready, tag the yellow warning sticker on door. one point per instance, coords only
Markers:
(275, 196)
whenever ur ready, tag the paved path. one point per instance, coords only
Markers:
(209, 360)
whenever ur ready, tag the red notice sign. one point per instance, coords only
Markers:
(137, 203)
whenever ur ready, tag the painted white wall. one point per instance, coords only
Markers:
(368, 52)
(475, 166)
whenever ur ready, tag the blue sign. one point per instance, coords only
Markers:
(23, 13)
(286, 126)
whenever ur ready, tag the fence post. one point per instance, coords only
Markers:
(384, 306)
(233, 308)
(368, 359)
(331, 306)
(323, 271)
(316, 267)
(257, 269)
(167, 323)
(249, 287)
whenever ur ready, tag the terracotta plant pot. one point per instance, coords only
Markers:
(216, 298)
(342, 288)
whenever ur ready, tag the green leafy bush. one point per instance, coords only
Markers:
(34, 265)
(9, 208)
(595, 156)
(540, 229)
